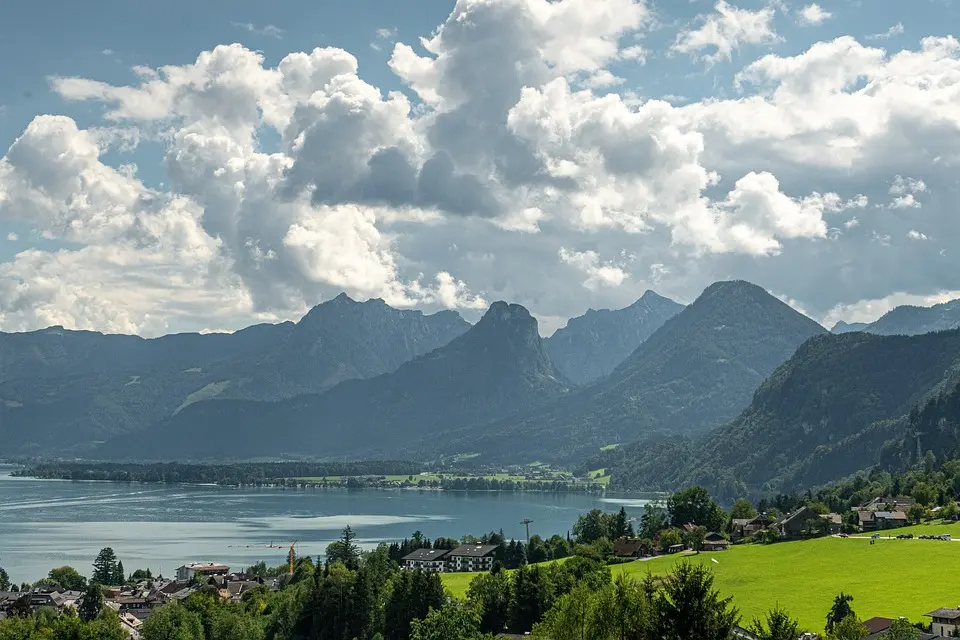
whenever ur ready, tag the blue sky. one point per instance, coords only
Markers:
(423, 252)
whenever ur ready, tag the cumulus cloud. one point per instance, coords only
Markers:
(913, 234)
(516, 166)
(725, 31)
(12, 237)
(599, 274)
(905, 192)
(813, 15)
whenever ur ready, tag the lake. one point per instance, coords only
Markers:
(49, 523)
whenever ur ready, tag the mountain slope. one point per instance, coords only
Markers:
(495, 368)
(822, 415)
(696, 372)
(909, 320)
(592, 345)
(78, 388)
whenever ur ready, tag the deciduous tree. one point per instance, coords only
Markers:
(778, 625)
(839, 610)
(91, 604)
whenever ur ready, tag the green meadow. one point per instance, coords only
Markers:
(890, 578)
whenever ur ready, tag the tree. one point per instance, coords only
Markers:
(694, 505)
(4, 580)
(344, 550)
(778, 625)
(104, 567)
(68, 578)
(453, 621)
(620, 526)
(850, 628)
(533, 596)
(172, 622)
(571, 618)
(742, 509)
(653, 521)
(590, 527)
(119, 577)
(924, 494)
(670, 537)
(696, 538)
(901, 629)
(92, 603)
(623, 610)
(688, 607)
(841, 609)
(490, 594)
(916, 512)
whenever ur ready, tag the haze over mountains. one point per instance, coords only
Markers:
(737, 391)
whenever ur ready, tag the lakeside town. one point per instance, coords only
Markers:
(688, 525)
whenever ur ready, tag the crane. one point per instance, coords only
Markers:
(291, 554)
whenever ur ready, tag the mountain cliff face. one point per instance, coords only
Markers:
(592, 345)
(64, 391)
(822, 415)
(695, 373)
(497, 367)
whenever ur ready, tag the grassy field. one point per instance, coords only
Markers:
(890, 578)
(934, 528)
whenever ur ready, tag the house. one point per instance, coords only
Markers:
(889, 519)
(745, 527)
(833, 522)
(630, 548)
(714, 541)
(866, 521)
(946, 622)
(472, 557)
(188, 572)
(801, 522)
(888, 503)
(675, 548)
(430, 560)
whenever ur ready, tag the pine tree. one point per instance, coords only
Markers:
(91, 604)
(4, 580)
(118, 576)
(104, 567)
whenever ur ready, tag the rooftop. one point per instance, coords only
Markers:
(474, 550)
(949, 614)
(426, 555)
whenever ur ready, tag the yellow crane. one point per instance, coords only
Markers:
(291, 554)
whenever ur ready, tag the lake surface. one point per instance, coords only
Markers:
(49, 523)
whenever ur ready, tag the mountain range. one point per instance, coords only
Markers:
(909, 320)
(736, 391)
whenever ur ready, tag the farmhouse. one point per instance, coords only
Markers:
(888, 503)
(630, 548)
(832, 522)
(471, 557)
(746, 527)
(802, 521)
(430, 560)
(946, 622)
(714, 541)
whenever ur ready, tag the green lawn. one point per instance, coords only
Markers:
(890, 578)
(935, 528)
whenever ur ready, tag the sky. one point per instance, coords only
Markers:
(202, 166)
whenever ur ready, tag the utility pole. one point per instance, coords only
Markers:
(526, 522)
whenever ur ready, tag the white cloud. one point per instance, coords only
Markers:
(813, 15)
(284, 183)
(267, 30)
(383, 35)
(12, 237)
(895, 30)
(905, 191)
(913, 234)
(726, 30)
(107, 52)
(599, 274)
